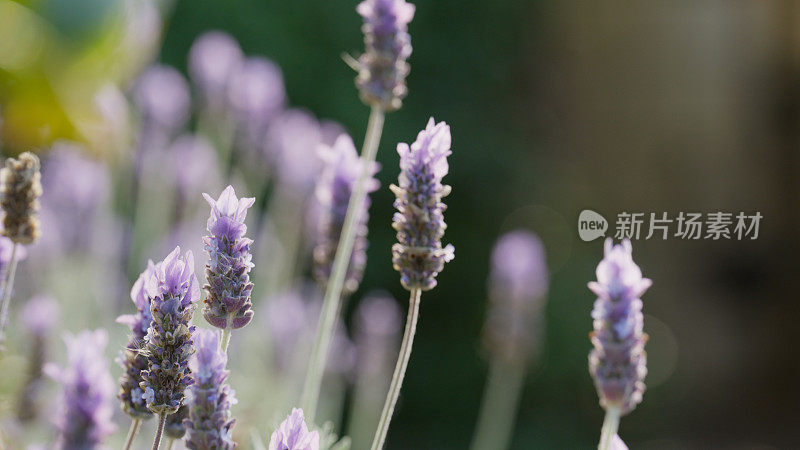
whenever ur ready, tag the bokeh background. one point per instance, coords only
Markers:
(554, 107)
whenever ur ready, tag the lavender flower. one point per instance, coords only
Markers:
(38, 317)
(133, 359)
(228, 304)
(383, 67)
(20, 189)
(173, 291)
(192, 163)
(213, 59)
(175, 426)
(162, 97)
(209, 424)
(618, 360)
(419, 222)
(85, 419)
(257, 95)
(293, 434)
(342, 170)
(378, 323)
(291, 143)
(517, 285)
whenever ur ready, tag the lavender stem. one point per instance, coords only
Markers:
(162, 418)
(609, 430)
(399, 369)
(499, 408)
(344, 250)
(225, 339)
(132, 433)
(170, 443)
(8, 285)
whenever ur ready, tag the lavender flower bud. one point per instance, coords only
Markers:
(383, 67)
(162, 97)
(213, 59)
(228, 304)
(85, 419)
(38, 317)
(173, 291)
(209, 424)
(419, 222)
(517, 286)
(175, 427)
(293, 434)
(20, 189)
(618, 360)
(133, 359)
(342, 170)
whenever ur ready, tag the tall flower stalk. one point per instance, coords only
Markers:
(418, 255)
(514, 328)
(173, 291)
(228, 305)
(20, 189)
(381, 82)
(618, 362)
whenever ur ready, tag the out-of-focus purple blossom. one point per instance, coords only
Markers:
(213, 60)
(618, 362)
(6, 248)
(257, 95)
(291, 142)
(173, 290)
(38, 317)
(20, 189)
(132, 358)
(87, 392)
(517, 285)
(162, 97)
(210, 424)
(293, 434)
(378, 323)
(175, 426)
(618, 444)
(329, 131)
(75, 189)
(228, 304)
(194, 162)
(419, 219)
(342, 170)
(383, 66)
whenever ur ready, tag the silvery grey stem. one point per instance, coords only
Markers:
(161, 419)
(333, 293)
(399, 370)
(499, 409)
(132, 433)
(609, 430)
(8, 285)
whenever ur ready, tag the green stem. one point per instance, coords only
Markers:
(161, 419)
(399, 370)
(499, 408)
(8, 285)
(225, 339)
(132, 433)
(609, 430)
(333, 293)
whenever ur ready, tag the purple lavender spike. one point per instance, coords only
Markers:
(209, 424)
(517, 286)
(291, 143)
(162, 97)
(85, 418)
(213, 59)
(383, 67)
(173, 290)
(293, 434)
(257, 95)
(342, 170)
(618, 362)
(228, 305)
(419, 222)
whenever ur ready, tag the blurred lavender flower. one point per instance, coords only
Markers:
(257, 96)
(20, 189)
(6, 248)
(76, 187)
(133, 359)
(293, 434)
(618, 360)
(291, 143)
(209, 424)
(85, 419)
(419, 222)
(378, 322)
(162, 97)
(194, 167)
(383, 67)
(342, 170)
(173, 291)
(175, 426)
(213, 60)
(228, 305)
(38, 317)
(517, 286)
